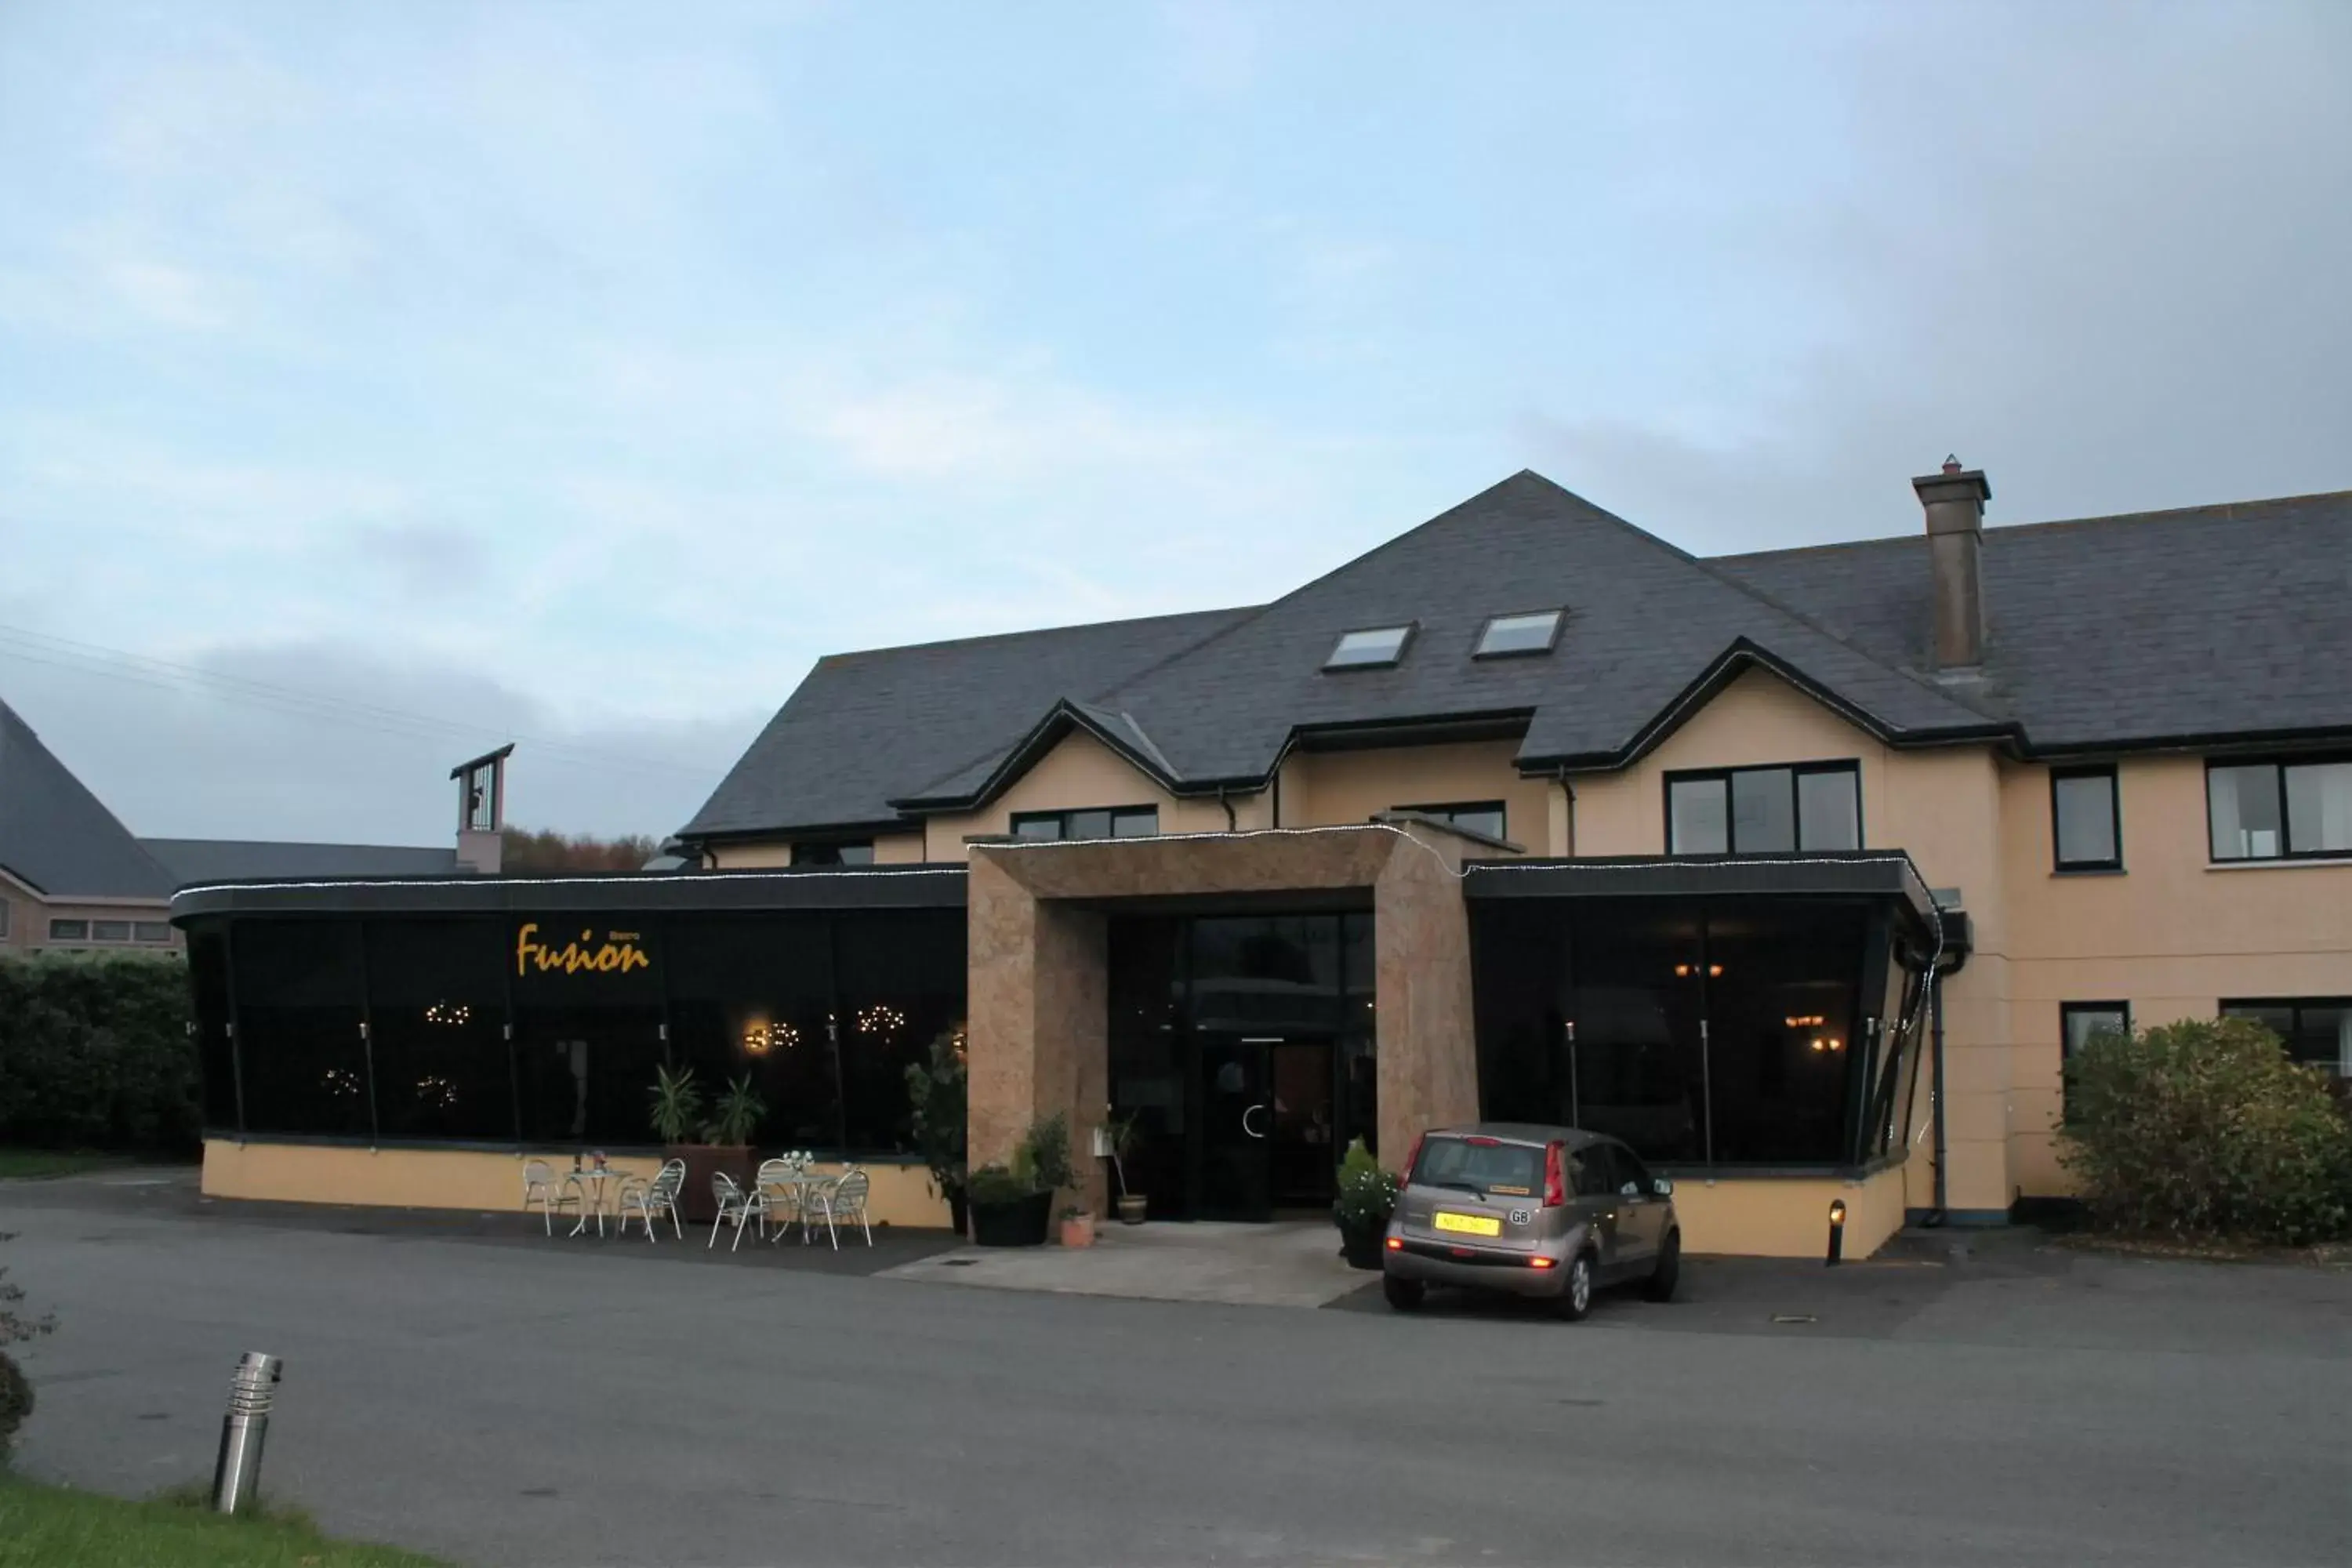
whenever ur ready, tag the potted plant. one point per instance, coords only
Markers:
(719, 1144)
(1013, 1205)
(1077, 1226)
(1368, 1195)
(936, 1091)
(1123, 1136)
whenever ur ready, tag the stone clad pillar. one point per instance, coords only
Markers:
(1428, 1054)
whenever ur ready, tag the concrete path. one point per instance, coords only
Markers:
(1293, 1265)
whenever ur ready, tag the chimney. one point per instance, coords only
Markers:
(482, 811)
(1955, 501)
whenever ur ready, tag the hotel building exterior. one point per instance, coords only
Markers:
(1802, 871)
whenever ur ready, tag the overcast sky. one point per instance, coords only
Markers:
(378, 383)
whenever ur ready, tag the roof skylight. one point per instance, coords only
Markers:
(1374, 648)
(1535, 632)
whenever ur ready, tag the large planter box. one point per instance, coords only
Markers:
(702, 1160)
(1021, 1223)
(1361, 1245)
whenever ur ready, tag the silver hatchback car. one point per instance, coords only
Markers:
(1547, 1212)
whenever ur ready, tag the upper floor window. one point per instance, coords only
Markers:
(1100, 822)
(1505, 635)
(1374, 648)
(849, 852)
(2084, 819)
(1765, 811)
(2318, 1031)
(1478, 816)
(2276, 811)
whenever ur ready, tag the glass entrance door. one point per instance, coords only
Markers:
(1236, 1125)
(1303, 1159)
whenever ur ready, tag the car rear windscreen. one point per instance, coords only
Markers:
(1507, 1170)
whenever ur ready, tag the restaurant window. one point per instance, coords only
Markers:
(1098, 822)
(1484, 816)
(2085, 821)
(216, 1053)
(753, 995)
(298, 1013)
(1765, 811)
(2280, 811)
(2316, 1031)
(436, 1030)
(587, 1026)
(900, 977)
(850, 852)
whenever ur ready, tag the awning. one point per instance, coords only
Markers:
(1863, 874)
(807, 888)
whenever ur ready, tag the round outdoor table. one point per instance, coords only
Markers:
(592, 1179)
(777, 1186)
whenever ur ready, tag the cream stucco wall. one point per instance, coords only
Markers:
(1330, 789)
(761, 855)
(1079, 773)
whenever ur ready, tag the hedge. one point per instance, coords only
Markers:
(95, 1053)
(2207, 1129)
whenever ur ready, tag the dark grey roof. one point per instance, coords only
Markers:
(2203, 623)
(867, 728)
(55, 835)
(192, 860)
(2209, 622)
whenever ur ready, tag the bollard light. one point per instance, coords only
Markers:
(237, 1474)
(1837, 1233)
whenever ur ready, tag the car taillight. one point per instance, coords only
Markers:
(1541, 1263)
(1412, 1156)
(1396, 1244)
(1555, 1175)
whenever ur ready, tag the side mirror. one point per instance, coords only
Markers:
(1662, 1187)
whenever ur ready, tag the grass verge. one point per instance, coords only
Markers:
(56, 1161)
(58, 1527)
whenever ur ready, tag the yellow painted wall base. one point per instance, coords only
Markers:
(1766, 1218)
(473, 1179)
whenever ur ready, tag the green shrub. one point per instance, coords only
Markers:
(999, 1185)
(15, 1389)
(937, 1094)
(95, 1053)
(1045, 1152)
(2206, 1128)
(1368, 1193)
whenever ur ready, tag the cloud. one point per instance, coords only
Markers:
(424, 560)
(171, 295)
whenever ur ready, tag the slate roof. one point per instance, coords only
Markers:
(193, 860)
(55, 836)
(2210, 622)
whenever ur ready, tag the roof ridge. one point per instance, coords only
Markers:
(1034, 632)
(2220, 508)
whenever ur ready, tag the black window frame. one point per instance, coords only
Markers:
(2058, 861)
(1332, 662)
(1061, 819)
(2066, 1012)
(1559, 613)
(2278, 766)
(834, 852)
(2293, 1004)
(1449, 811)
(1850, 766)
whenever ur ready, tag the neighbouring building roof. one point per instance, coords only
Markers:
(2208, 623)
(193, 860)
(55, 836)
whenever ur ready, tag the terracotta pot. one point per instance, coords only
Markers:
(1078, 1231)
(1132, 1208)
(703, 1161)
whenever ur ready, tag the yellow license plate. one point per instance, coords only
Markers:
(1468, 1224)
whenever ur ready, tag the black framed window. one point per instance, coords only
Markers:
(438, 1030)
(1487, 816)
(215, 1052)
(848, 852)
(900, 977)
(1503, 637)
(755, 995)
(2085, 819)
(2280, 810)
(2079, 1023)
(1373, 648)
(299, 1005)
(587, 1026)
(2317, 1030)
(1765, 811)
(1093, 822)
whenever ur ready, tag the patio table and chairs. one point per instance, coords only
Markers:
(647, 1199)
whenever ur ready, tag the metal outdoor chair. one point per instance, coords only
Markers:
(541, 1186)
(737, 1204)
(657, 1196)
(839, 1203)
(778, 1182)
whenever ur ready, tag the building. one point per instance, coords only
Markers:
(1801, 870)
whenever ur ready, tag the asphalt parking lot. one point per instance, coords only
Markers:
(470, 1387)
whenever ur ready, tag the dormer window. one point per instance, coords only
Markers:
(1374, 648)
(1534, 632)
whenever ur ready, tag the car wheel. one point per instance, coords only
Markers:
(1404, 1295)
(1576, 1291)
(1669, 1271)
